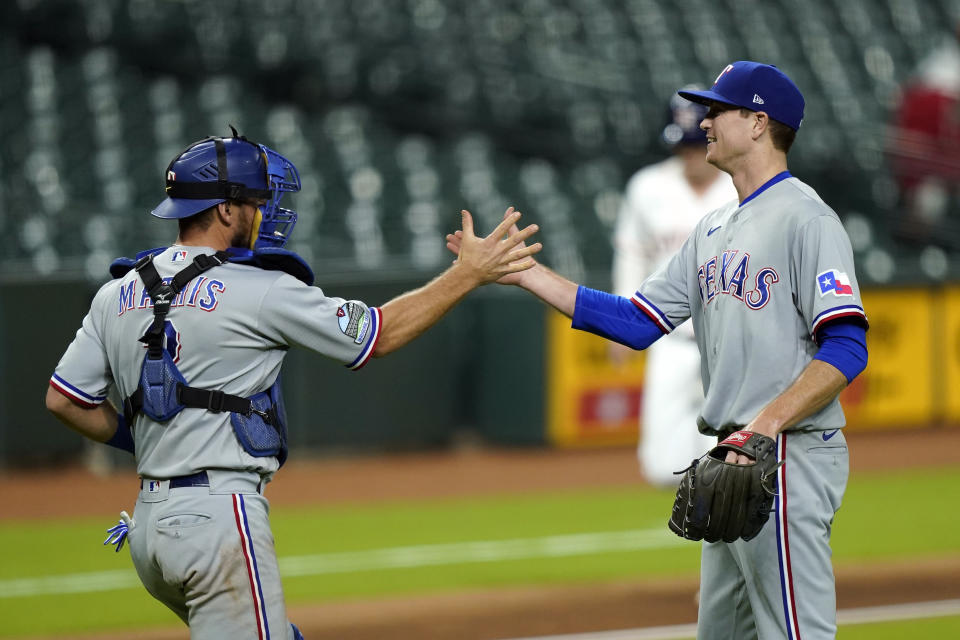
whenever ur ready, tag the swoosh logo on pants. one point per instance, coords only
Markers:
(829, 434)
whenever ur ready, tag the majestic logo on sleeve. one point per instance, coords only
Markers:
(729, 274)
(835, 282)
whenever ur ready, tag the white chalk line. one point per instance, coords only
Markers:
(862, 615)
(475, 552)
(380, 559)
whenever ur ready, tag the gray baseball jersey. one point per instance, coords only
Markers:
(203, 546)
(229, 329)
(758, 279)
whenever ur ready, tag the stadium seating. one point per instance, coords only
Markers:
(400, 114)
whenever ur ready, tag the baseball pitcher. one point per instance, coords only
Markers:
(769, 284)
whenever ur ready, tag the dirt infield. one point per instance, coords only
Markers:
(512, 613)
(486, 615)
(27, 494)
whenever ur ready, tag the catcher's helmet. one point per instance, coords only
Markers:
(214, 170)
(683, 122)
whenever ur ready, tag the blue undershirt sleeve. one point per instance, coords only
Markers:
(843, 344)
(122, 439)
(615, 318)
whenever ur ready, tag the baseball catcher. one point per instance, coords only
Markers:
(203, 410)
(719, 500)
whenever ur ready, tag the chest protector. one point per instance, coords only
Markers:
(259, 422)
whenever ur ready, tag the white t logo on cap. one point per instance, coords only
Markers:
(729, 67)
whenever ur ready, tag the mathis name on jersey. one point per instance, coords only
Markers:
(202, 293)
(729, 273)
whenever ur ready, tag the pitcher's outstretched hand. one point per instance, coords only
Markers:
(502, 256)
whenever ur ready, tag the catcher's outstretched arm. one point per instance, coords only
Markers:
(480, 260)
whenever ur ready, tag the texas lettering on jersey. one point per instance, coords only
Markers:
(729, 273)
(203, 293)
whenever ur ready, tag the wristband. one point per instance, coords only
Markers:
(122, 439)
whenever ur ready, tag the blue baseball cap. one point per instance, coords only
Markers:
(757, 87)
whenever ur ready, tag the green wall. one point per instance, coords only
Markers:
(38, 320)
(477, 375)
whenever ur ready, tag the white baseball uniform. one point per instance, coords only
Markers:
(659, 211)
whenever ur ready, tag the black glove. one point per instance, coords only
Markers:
(718, 500)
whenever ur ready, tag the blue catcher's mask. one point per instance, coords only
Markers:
(683, 122)
(215, 170)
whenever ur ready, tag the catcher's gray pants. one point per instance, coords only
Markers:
(207, 553)
(780, 586)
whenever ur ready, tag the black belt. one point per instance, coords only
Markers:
(199, 479)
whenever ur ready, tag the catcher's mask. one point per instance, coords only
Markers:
(214, 170)
(683, 122)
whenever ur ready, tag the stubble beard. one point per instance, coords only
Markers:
(241, 237)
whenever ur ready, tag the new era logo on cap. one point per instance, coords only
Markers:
(757, 87)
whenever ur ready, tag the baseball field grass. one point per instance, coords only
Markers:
(56, 577)
(930, 628)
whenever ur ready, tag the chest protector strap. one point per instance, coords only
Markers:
(163, 392)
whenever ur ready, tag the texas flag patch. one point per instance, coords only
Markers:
(178, 256)
(836, 282)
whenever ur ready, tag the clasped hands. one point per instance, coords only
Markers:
(501, 256)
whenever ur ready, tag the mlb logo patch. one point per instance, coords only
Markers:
(833, 281)
(179, 256)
